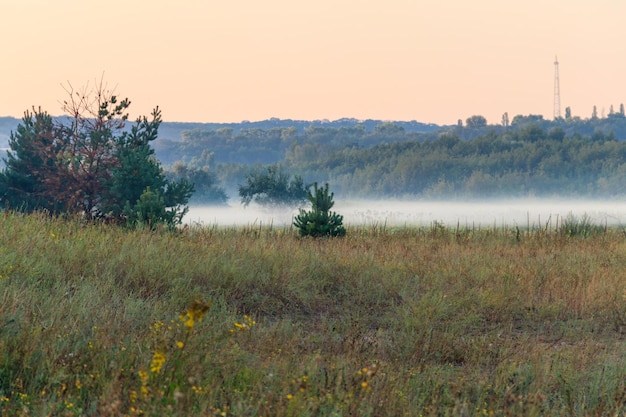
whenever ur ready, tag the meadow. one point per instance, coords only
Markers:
(255, 321)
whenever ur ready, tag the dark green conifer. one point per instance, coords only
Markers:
(30, 165)
(320, 221)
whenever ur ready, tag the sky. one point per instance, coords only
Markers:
(434, 61)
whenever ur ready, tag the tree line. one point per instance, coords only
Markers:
(528, 157)
(97, 163)
(525, 162)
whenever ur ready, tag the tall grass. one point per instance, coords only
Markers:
(259, 322)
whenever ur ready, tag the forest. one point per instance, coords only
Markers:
(530, 156)
(526, 156)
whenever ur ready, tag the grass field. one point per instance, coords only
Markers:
(431, 321)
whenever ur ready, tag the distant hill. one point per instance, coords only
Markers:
(172, 130)
(614, 123)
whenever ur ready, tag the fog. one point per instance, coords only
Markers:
(522, 213)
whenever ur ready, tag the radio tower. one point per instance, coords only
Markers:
(557, 90)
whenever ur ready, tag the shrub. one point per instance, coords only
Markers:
(320, 221)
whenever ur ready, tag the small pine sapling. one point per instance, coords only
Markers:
(320, 221)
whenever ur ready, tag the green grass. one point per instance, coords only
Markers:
(384, 322)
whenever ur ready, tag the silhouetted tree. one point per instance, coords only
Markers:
(271, 186)
(476, 122)
(505, 119)
(206, 190)
(520, 120)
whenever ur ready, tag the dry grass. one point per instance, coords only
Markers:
(384, 322)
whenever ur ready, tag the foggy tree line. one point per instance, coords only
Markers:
(526, 162)
(254, 145)
(522, 155)
(529, 157)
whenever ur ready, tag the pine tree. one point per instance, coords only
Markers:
(320, 221)
(138, 180)
(31, 165)
(91, 165)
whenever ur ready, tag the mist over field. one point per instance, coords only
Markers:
(520, 212)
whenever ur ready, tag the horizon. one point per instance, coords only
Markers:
(206, 62)
(266, 120)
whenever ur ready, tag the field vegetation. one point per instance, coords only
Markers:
(432, 321)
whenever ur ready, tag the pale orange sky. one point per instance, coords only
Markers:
(227, 61)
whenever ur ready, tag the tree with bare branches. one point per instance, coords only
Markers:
(91, 163)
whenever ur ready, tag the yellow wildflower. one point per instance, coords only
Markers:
(246, 325)
(143, 375)
(194, 313)
(188, 320)
(158, 359)
(197, 390)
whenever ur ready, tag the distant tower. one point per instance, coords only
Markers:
(557, 90)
